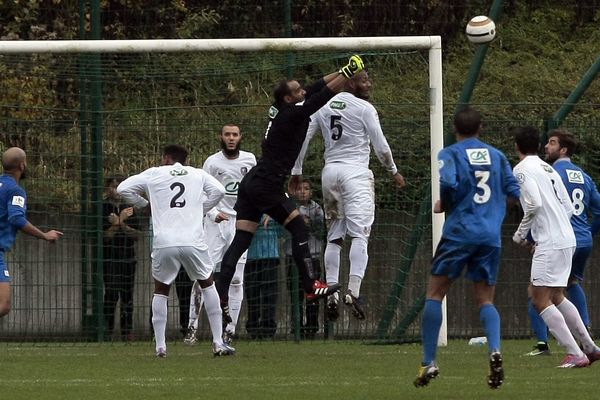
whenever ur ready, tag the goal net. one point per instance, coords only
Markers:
(87, 110)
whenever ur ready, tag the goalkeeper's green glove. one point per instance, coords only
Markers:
(355, 65)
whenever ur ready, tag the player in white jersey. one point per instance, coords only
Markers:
(228, 166)
(178, 196)
(547, 210)
(349, 125)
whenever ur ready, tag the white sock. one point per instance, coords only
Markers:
(576, 325)
(236, 295)
(331, 259)
(358, 264)
(159, 319)
(212, 304)
(559, 329)
(196, 303)
(354, 285)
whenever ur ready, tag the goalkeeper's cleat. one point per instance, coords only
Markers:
(593, 356)
(496, 375)
(161, 353)
(573, 361)
(539, 349)
(320, 290)
(332, 309)
(356, 305)
(426, 373)
(190, 337)
(228, 337)
(222, 350)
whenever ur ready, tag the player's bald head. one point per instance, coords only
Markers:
(12, 158)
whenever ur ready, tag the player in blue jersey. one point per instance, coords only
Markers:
(586, 201)
(13, 210)
(476, 180)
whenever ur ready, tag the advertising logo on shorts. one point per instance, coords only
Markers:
(231, 187)
(479, 156)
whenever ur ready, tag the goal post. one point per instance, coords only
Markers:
(431, 45)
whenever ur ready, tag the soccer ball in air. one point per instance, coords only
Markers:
(480, 30)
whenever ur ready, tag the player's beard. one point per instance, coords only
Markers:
(363, 94)
(231, 152)
(23, 174)
(551, 157)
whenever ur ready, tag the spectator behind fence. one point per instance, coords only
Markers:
(261, 280)
(311, 211)
(13, 217)
(121, 231)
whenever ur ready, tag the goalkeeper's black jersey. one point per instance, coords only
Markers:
(287, 130)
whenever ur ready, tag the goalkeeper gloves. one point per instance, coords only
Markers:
(355, 65)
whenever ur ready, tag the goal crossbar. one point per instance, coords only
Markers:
(243, 45)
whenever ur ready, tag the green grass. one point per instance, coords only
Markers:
(279, 370)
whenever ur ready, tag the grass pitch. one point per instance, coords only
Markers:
(280, 370)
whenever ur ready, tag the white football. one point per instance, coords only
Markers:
(480, 30)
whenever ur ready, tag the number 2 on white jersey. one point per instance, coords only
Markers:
(482, 178)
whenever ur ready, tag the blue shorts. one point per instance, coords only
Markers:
(482, 262)
(4, 275)
(580, 261)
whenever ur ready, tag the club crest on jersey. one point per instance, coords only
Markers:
(520, 177)
(575, 176)
(273, 112)
(244, 170)
(479, 156)
(178, 172)
(337, 105)
(547, 168)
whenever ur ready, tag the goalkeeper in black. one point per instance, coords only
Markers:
(261, 190)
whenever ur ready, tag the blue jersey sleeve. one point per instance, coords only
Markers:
(448, 179)
(594, 207)
(17, 208)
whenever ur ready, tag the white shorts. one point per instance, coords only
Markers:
(349, 200)
(167, 261)
(551, 268)
(218, 237)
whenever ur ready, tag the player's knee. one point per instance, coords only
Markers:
(4, 308)
(360, 241)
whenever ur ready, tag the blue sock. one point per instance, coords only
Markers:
(537, 323)
(430, 329)
(488, 314)
(576, 294)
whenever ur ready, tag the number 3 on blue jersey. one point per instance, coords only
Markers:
(482, 178)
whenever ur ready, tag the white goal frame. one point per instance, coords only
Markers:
(432, 43)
